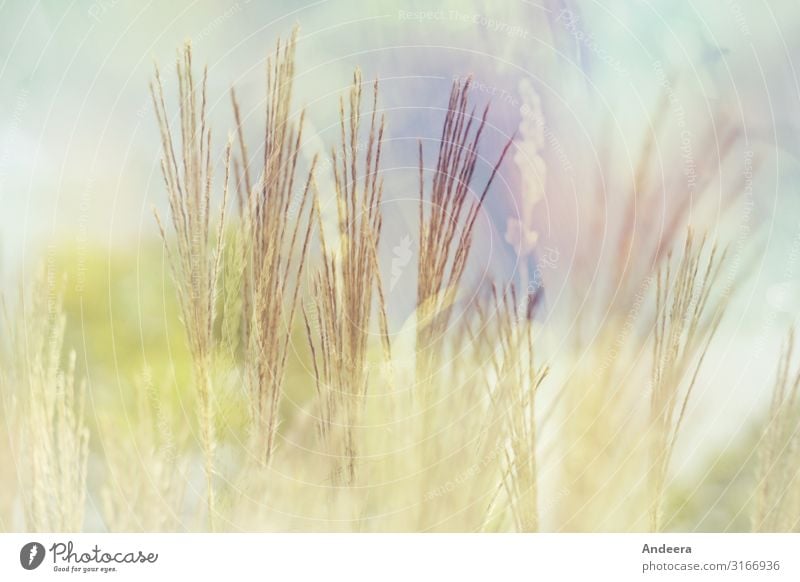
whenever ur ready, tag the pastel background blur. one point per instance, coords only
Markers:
(585, 86)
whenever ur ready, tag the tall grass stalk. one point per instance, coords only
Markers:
(54, 442)
(344, 287)
(447, 216)
(195, 256)
(683, 331)
(8, 423)
(277, 230)
(147, 475)
(518, 377)
(777, 495)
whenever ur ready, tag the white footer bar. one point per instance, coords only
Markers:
(401, 557)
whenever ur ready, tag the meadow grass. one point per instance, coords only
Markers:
(53, 436)
(274, 243)
(344, 286)
(777, 495)
(196, 253)
(458, 431)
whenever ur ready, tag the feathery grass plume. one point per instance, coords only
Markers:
(231, 304)
(443, 478)
(635, 252)
(8, 423)
(449, 482)
(777, 496)
(682, 333)
(446, 229)
(342, 289)
(277, 230)
(593, 439)
(447, 216)
(8, 489)
(608, 317)
(146, 482)
(54, 439)
(195, 258)
(517, 378)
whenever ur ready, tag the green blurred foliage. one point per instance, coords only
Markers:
(123, 322)
(717, 497)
